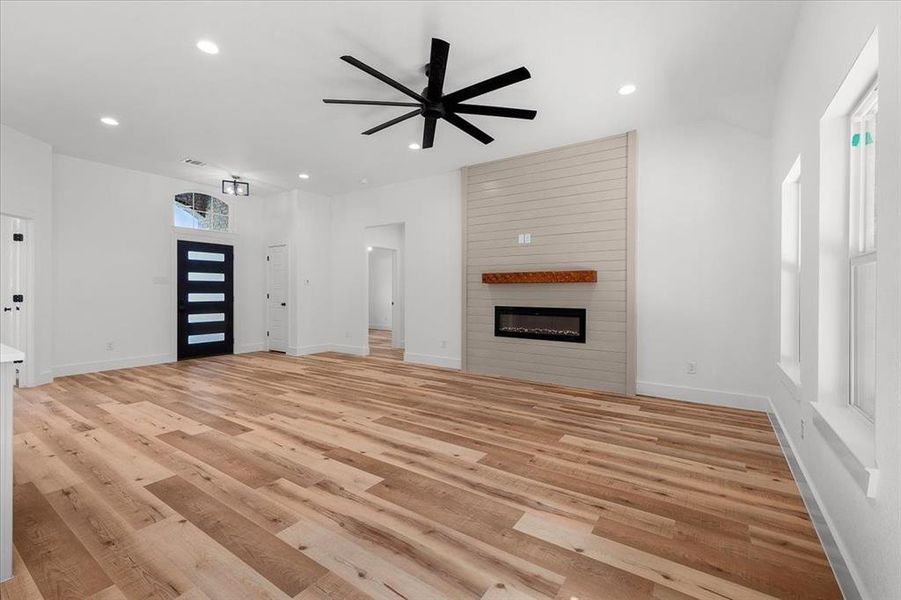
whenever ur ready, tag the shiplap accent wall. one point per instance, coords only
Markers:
(578, 203)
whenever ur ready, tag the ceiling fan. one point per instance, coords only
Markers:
(432, 104)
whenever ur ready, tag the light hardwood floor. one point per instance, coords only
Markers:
(330, 476)
(380, 345)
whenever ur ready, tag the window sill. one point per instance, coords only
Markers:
(790, 374)
(852, 438)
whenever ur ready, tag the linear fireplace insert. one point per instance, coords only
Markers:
(540, 323)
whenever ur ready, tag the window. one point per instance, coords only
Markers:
(790, 286)
(862, 255)
(200, 211)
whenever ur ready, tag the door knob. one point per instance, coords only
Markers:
(284, 304)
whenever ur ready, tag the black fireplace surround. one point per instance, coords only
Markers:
(540, 323)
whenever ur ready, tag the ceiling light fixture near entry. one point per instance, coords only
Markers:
(627, 88)
(368, 248)
(208, 47)
(414, 146)
(109, 121)
(233, 187)
(303, 176)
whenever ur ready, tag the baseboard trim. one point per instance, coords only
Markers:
(357, 350)
(434, 360)
(111, 365)
(245, 348)
(313, 349)
(835, 553)
(381, 327)
(704, 396)
(42, 378)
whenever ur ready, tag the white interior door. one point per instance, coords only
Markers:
(277, 276)
(13, 302)
(397, 303)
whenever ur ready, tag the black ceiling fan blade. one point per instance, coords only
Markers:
(428, 132)
(464, 125)
(437, 68)
(489, 85)
(369, 102)
(395, 121)
(382, 77)
(493, 111)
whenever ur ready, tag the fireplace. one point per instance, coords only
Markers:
(538, 323)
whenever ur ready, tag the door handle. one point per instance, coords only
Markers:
(284, 304)
(6, 309)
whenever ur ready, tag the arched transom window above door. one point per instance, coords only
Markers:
(200, 211)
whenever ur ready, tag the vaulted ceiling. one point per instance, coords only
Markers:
(255, 108)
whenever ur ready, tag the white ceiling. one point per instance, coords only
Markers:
(255, 109)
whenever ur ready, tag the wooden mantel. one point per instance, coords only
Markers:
(541, 277)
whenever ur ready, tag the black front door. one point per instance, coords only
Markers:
(205, 299)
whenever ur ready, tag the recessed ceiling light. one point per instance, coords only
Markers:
(109, 121)
(304, 176)
(368, 248)
(364, 181)
(627, 88)
(208, 47)
(414, 146)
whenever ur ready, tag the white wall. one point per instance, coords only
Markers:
(114, 267)
(430, 209)
(867, 529)
(303, 221)
(25, 191)
(381, 283)
(703, 268)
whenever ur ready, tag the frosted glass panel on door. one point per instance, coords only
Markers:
(197, 276)
(207, 256)
(206, 338)
(200, 297)
(206, 318)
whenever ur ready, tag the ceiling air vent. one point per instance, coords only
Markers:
(194, 161)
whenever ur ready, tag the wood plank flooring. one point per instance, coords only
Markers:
(380, 345)
(335, 477)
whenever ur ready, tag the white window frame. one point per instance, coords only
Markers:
(850, 435)
(862, 243)
(790, 297)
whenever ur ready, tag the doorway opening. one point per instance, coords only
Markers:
(205, 299)
(385, 280)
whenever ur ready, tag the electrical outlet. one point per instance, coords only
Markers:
(444, 343)
(347, 334)
(110, 346)
(802, 429)
(691, 368)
